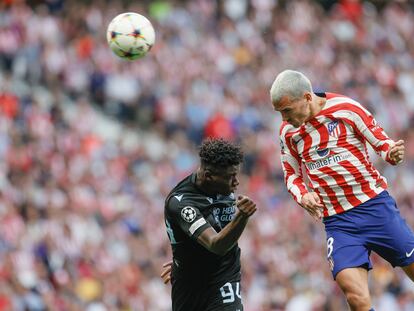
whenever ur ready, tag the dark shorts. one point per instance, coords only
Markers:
(225, 297)
(375, 225)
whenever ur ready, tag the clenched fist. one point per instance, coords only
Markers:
(397, 151)
(245, 205)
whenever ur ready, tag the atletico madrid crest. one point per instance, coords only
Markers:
(333, 129)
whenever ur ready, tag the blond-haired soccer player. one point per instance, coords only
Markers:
(328, 133)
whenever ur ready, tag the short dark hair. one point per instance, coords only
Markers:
(219, 153)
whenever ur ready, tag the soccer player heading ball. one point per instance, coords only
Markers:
(204, 222)
(328, 132)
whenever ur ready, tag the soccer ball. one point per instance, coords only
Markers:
(130, 35)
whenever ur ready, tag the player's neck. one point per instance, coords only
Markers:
(200, 184)
(318, 104)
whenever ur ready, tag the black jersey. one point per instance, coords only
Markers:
(188, 212)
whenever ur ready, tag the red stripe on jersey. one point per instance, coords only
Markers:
(342, 139)
(368, 165)
(282, 126)
(361, 157)
(341, 182)
(325, 210)
(307, 140)
(333, 95)
(366, 118)
(364, 161)
(288, 139)
(384, 147)
(297, 181)
(382, 184)
(331, 194)
(291, 146)
(323, 133)
(354, 150)
(359, 178)
(349, 107)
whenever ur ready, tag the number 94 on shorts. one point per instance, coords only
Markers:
(222, 297)
(227, 298)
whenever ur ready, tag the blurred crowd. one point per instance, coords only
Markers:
(90, 145)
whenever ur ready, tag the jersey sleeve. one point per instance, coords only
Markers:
(371, 131)
(291, 165)
(187, 217)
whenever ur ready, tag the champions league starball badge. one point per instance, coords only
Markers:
(188, 214)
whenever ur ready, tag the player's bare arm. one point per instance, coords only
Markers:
(220, 243)
(397, 151)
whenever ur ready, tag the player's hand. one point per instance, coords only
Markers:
(312, 203)
(397, 152)
(245, 205)
(166, 272)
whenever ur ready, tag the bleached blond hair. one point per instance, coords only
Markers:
(289, 83)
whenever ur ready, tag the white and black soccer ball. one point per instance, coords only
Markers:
(130, 35)
(188, 214)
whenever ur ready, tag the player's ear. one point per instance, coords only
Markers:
(208, 174)
(307, 96)
(204, 173)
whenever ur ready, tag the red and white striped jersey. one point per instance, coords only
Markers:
(332, 148)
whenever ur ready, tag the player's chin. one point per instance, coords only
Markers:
(294, 124)
(227, 191)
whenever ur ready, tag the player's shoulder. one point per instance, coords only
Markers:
(180, 199)
(184, 205)
(286, 129)
(173, 205)
(184, 194)
(339, 102)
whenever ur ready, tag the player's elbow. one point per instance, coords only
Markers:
(215, 242)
